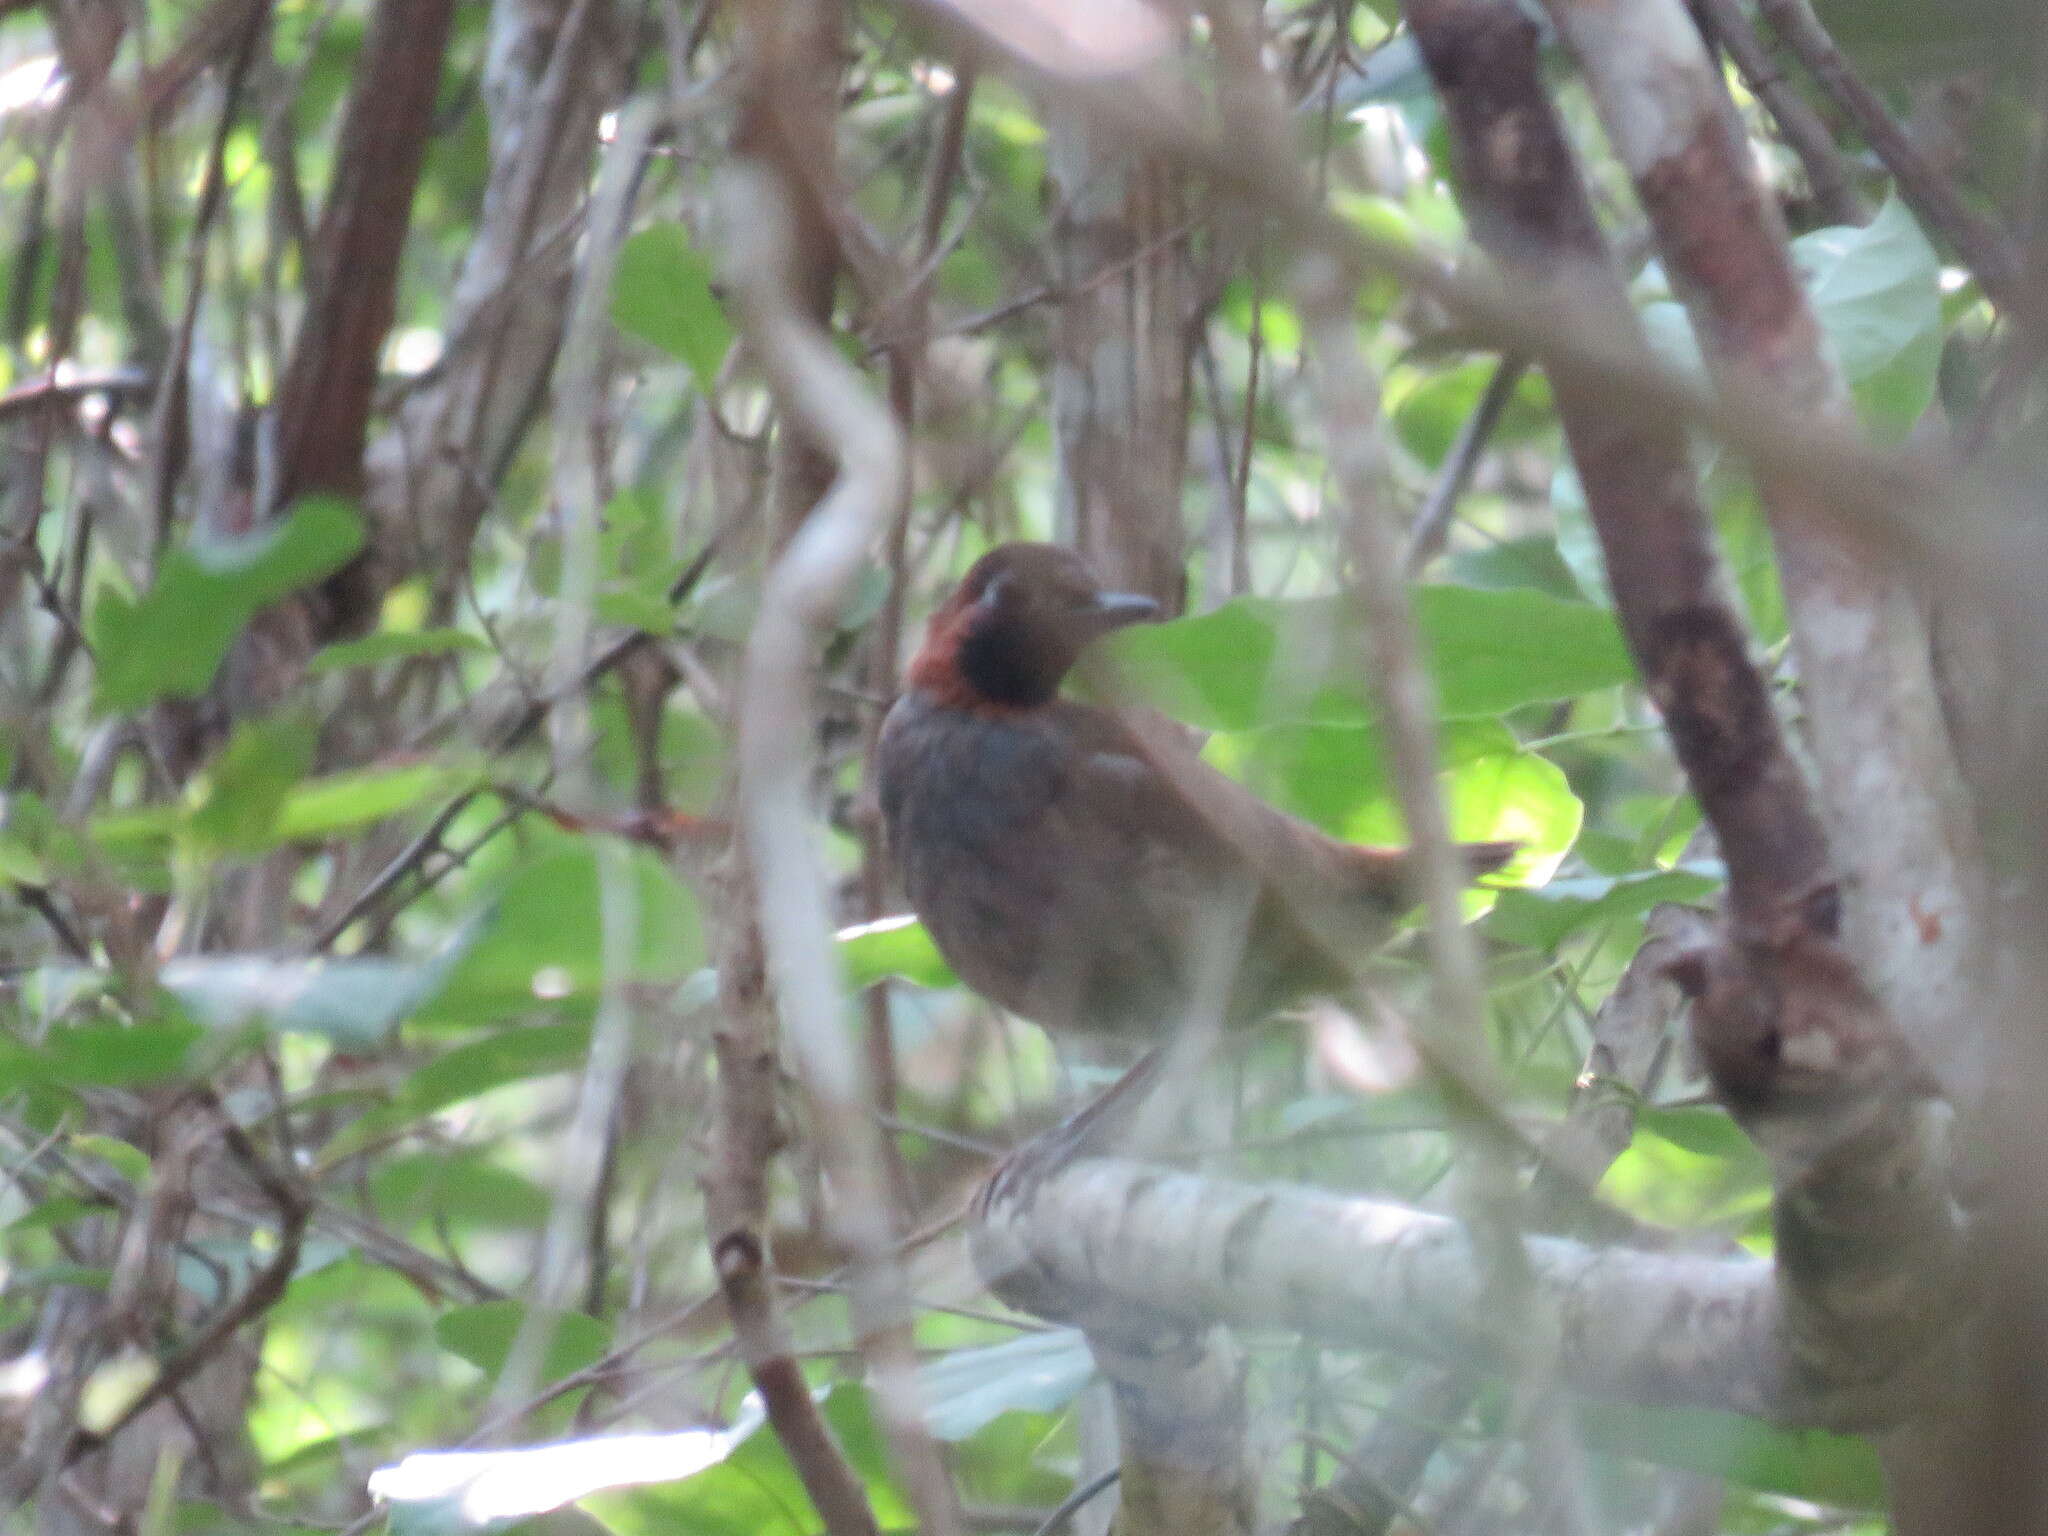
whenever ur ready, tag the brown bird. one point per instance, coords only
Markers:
(1090, 872)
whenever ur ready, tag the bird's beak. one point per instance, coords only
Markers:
(1113, 610)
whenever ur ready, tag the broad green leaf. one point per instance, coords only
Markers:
(1035, 1372)
(482, 1334)
(393, 645)
(754, 1491)
(1542, 919)
(892, 946)
(473, 1068)
(169, 642)
(662, 294)
(1689, 1168)
(443, 1185)
(1256, 661)
(542, 939)
(99, 1053)
(1839, 1471)
(1428, 416)
(344, 802)
(1526, 562)
(1877, 293)
(1337, 777)
(234, 802)
(128, 1160)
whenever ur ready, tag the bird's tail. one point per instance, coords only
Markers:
(1387, 877)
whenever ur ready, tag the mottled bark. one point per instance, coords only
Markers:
(1121, 357)
(1900, 823)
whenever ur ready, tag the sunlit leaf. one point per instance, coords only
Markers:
(1544, 918)
(892, 946)
(754, 1491)
(1337, 777)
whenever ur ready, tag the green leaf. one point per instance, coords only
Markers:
(1689, 1168)
(662, 294)
(483, 1334)
(100, 1053)
(1034, 1372)
(1430, 415)
(754, 1491)
(169, 642)
(393, 645)
(1256, 661)
(473, 1068)
(235, 800)
(344, 802)
(445, 1186)
(1543, 919)
(131, 1162)
(1835, 1470)
(1877, 293)
(1337, 777)
(353, 1003)
(543, 938)
(892, 946)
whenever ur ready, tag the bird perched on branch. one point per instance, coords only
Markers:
(1085, 869)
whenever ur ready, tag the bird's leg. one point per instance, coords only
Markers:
(1109, 1122)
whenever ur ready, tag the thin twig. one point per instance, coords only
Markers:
(1827, 171)
(1985, 249)
(1433, 522)
(263, 1293)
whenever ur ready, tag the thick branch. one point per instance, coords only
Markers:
(1797, 1045)
(324, 404)
(1529, 209)
(1102, 1239)
(1893, 794)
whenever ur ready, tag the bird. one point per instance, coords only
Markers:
(1081, 866)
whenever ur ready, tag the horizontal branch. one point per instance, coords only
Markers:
(1112, 1244)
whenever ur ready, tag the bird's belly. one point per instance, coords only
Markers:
(1034, 927)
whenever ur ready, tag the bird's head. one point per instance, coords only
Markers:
(1018, 621)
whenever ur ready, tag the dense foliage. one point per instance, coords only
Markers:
(357, 984)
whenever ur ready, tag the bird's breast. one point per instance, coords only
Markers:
(1025, 889)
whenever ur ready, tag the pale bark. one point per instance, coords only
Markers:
(1902, 829)
(1102, 1241)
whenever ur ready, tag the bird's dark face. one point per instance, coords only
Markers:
(1023, 615)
